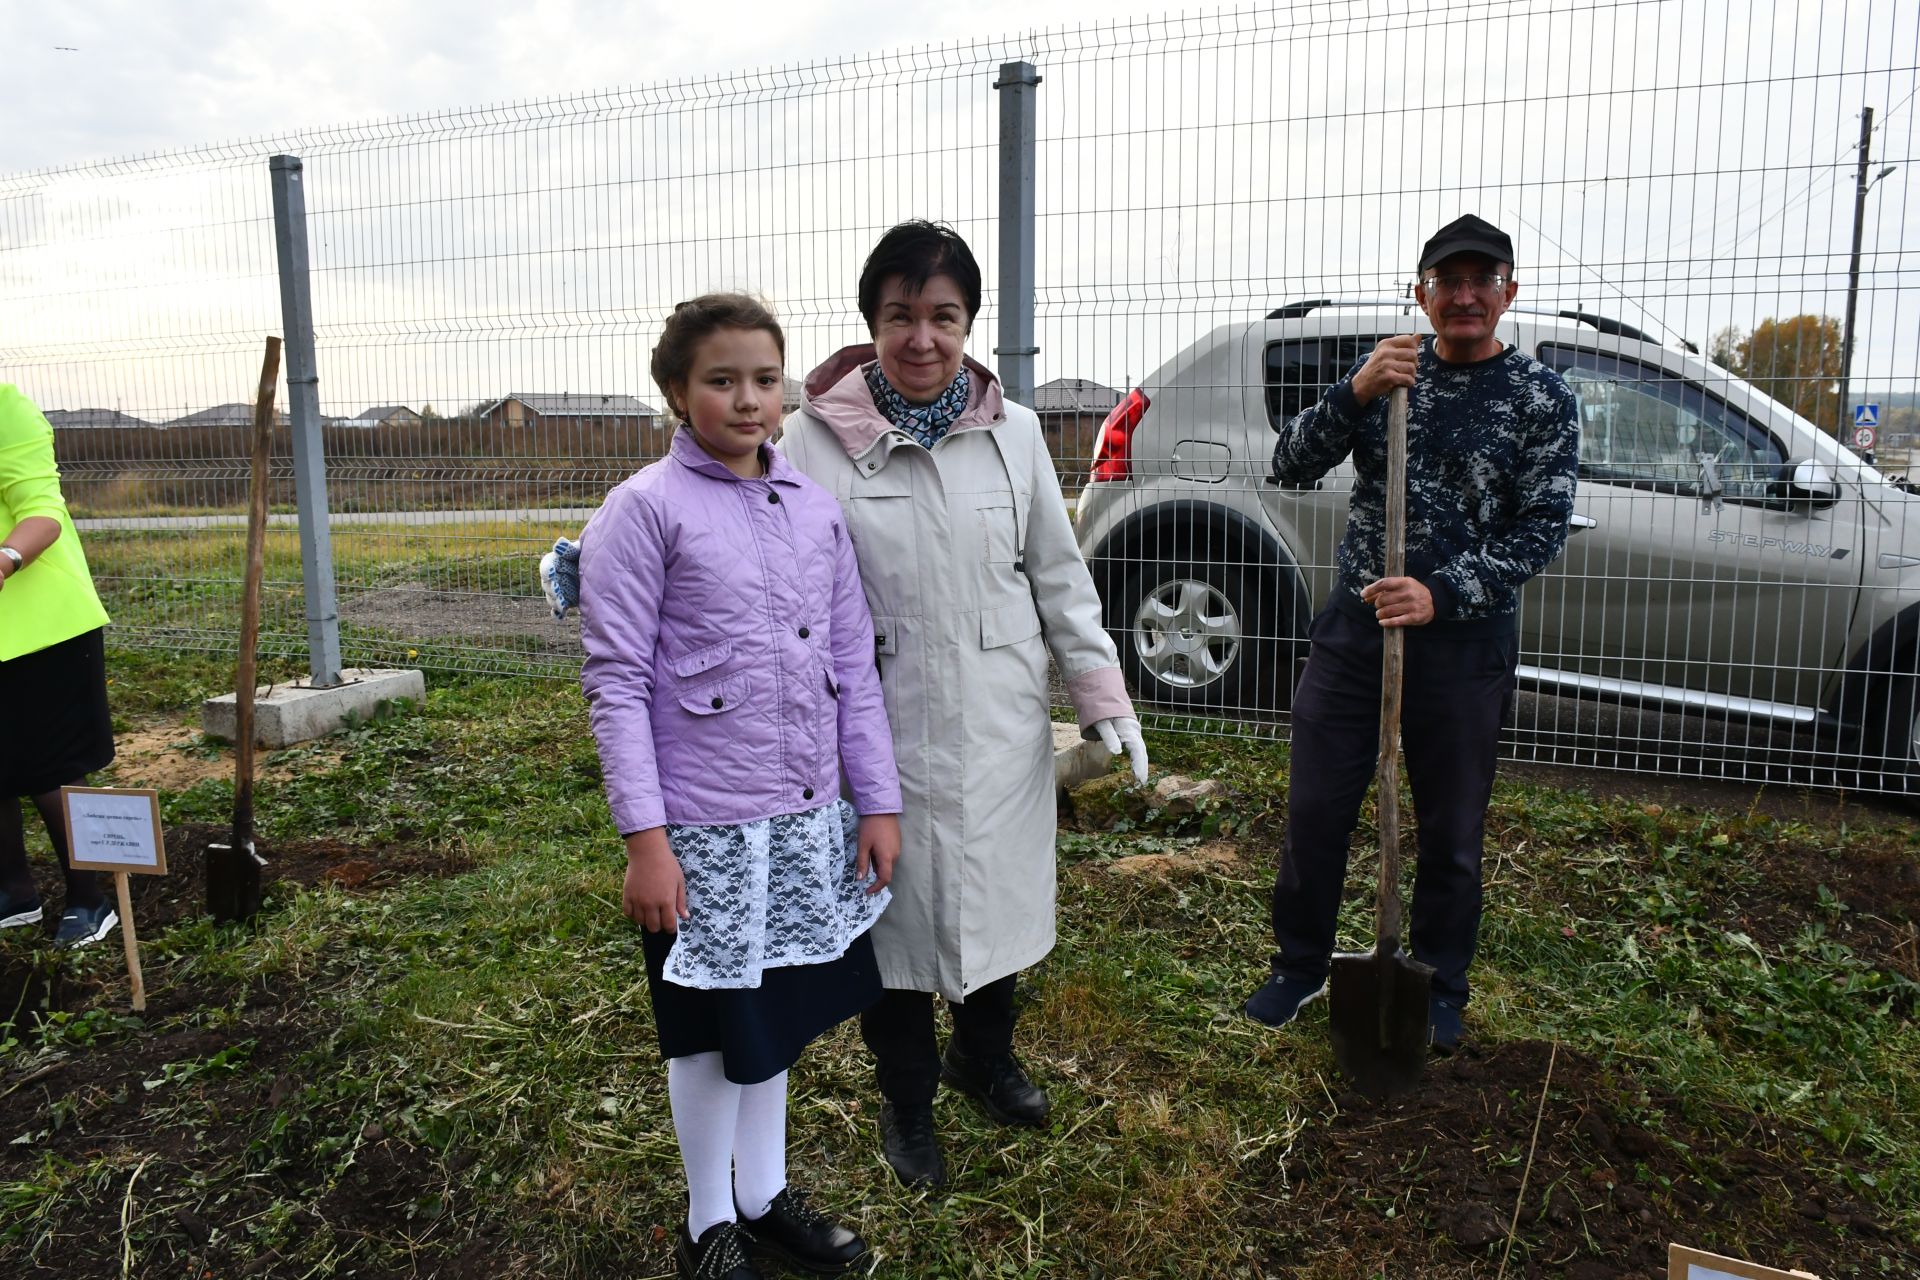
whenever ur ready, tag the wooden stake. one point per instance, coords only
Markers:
(247, 669)
(233, 872)
(130, 941)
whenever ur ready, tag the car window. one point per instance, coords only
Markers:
(1299, 370)
(1646, 428)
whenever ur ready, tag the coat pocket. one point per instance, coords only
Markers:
(1009, 624)
(716, 696)
(692, 664)
(1000, 531)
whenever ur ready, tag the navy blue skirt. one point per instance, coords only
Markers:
(54, 703)
(759, 1031)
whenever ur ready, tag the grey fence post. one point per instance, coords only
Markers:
(303, 394)
(1016, 86)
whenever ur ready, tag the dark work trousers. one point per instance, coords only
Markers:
(1456, 693)
(900, 1034)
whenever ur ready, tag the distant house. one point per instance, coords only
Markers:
(64, 419)
(1071, 411)
(529, 408)
(385, 415)
(792, 392)
(224, 415)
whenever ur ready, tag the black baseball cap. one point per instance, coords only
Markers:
(1467, 234)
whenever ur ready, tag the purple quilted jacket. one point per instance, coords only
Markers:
(730, 657)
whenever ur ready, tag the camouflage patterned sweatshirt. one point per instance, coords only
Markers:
(1492, 450)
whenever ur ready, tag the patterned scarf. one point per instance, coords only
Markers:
(927, 423)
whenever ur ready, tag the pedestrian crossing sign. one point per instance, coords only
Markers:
(1866, 415)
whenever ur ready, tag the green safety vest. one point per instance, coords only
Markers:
(52, 599)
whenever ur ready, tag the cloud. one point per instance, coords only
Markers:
(149, 77)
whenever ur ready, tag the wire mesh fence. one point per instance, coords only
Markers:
(1718, 251)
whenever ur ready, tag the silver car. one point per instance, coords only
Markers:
(1726, 557)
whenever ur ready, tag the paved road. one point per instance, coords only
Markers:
(547, 518)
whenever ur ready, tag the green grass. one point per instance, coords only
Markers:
(497, 1022)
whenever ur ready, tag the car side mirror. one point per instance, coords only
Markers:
(1811, 482)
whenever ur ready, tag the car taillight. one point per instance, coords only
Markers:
(1112, 450)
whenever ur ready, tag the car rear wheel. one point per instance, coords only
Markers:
(1202, 636)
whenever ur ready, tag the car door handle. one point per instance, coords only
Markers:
(1578, 523)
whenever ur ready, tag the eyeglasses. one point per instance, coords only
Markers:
(1483, 282)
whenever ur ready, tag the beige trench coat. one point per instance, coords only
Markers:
(973, 576)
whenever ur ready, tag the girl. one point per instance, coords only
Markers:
(730, 668)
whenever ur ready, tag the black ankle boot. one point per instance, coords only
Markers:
(907, 1140)
(801, 1236)
(720, 1254)
(999, 1084)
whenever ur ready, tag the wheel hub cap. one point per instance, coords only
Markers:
(1186, 633)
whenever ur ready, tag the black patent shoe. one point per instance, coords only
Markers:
(801, 1236)
(908, 1142)
(999, 1084)
(720, 1254)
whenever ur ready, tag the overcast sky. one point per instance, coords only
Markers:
(1682, 165)
(88, 79)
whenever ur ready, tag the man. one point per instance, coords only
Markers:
(1492, 447)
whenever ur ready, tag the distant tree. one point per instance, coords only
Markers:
(428, 412)
(1796, 361)
(1724, 348)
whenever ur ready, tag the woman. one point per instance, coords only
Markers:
(53, 673)
(972, 572)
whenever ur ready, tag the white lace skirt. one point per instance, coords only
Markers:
(762, 895)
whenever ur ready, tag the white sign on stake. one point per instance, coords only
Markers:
(113, 830)
(118, 831)
(1694, 1264)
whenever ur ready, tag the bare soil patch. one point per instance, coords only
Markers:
(173, 755)
(1428, 1186)
(188, 1096)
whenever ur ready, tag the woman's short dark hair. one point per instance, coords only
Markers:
(917, 251)
(691, 322)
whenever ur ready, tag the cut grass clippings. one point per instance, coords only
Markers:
(452, 1071)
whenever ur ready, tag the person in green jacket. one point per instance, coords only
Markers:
(53, 673)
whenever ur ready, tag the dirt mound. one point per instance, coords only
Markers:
(32, 976)
(137, 1100)
(1428, 1185)
(140, 1105)
(182, 893)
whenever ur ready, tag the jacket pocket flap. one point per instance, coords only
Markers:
(887, 482)
(692, 664)
(886, 636)
(718, 696)
(1009, 624)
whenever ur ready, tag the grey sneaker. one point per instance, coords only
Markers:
(17, 912)
(84, 926)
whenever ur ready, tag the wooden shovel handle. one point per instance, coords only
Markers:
(247, 667)
(1393, 661)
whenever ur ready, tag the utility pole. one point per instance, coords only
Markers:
(1860, 186)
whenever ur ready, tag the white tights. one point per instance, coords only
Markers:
(733, 1140)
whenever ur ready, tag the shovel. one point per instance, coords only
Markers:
(233, 870)
(1377, 1000)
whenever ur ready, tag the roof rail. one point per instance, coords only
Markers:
(1296, 310)
(1600, 323)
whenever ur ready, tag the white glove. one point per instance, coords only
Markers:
(1117, 732)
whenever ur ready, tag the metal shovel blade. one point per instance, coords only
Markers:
(1377, 1018)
